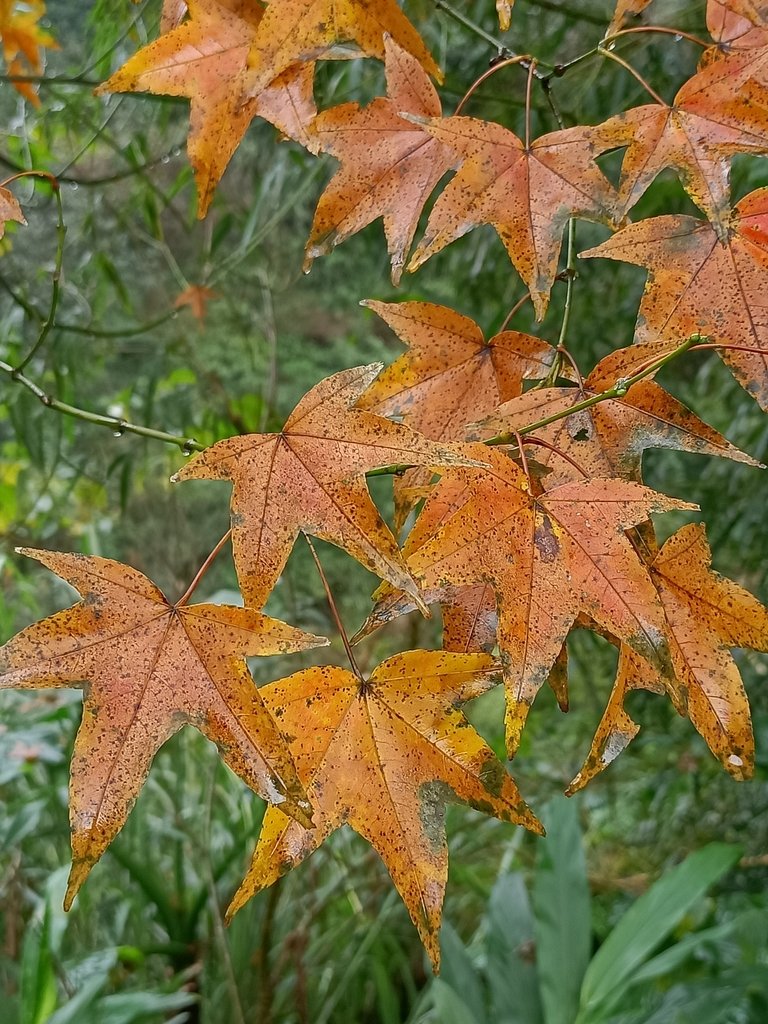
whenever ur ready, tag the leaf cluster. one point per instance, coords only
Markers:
(540, 522)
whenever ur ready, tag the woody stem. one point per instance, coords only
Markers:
(619, 390)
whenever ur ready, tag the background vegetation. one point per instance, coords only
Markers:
(330, 943)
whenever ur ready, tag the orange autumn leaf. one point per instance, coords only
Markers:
(147, 668)
(699, 284)
(707, 616)
(696, 135)
(469, 614)
(625, 9)
(389, 166)
(204, 58)
(731, 23)
(527, 192)
(22, 41)
(296, 31)
(449, 376)
(549, 559)
(9, 209)
(197, 297)
(172, 14)
(310, 478)
(384, 755)
(609, 438)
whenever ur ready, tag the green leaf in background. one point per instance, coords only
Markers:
(511, 954)
(449, 1007)
(645, 926)
(711, 1002)
(42, 941)
(458, 971)
(562, 916)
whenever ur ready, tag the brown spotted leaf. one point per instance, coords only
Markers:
(449, 376)
(147, 668)
(384, 756)
(609, 438)
(625, 10)
(707, 615)
(699, 284)
(697, 135)
(389, 166)
(9, 209)
(296, 31)
(204, 58)
(527, 192)
(310, 478)
(549, 559)
(732, 23)
(172, 14)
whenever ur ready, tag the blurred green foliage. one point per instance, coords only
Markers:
(330, 943)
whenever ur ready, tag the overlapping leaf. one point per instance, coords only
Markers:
(296, 31)
(625, 9)
(548, 558)
(698, 283)
(527, 192)
(707, 615)
(606, 439)
(9, 209)
(696, 135)
(311, 478)
(204, 58)
(389, 166)
(148, 668)
(449, 376)
(23, 41)
(732, 23)
(384, 755)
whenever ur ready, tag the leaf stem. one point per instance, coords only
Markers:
(335, 612)
(676, 32)
(523, 457)
(117, 425)
(570, 275)
(517, 306)
(528, 84)
(619, 390)
(528, 439)
(636, 74)
(203, 570)
(46, 175)
(507, 62)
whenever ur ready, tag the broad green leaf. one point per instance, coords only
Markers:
(647, 923)
(562, 915)
(449, 1007)
(669, 959)
(83, 999)
(511, 955)
(38, 996)
(458, 971)
(132, 1007)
